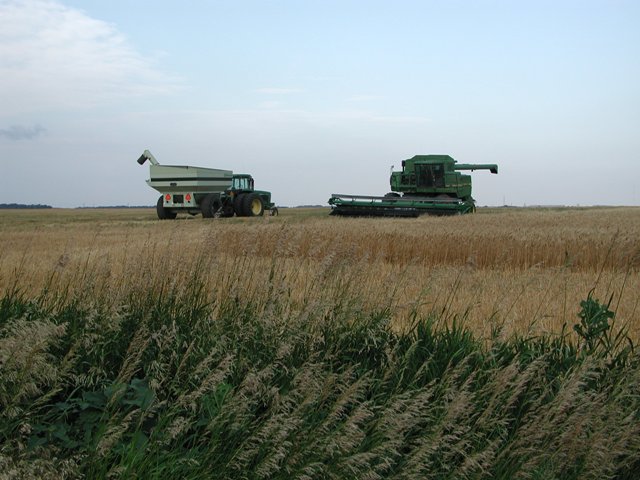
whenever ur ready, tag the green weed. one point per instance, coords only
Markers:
(176, 381)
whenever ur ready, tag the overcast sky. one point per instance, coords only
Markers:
(316, 97)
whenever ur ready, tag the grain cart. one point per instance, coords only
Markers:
(427, 184)
(210, 191)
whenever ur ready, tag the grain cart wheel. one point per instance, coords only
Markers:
(163, 213)
(237, 204)
(210, 205)
(252, 205)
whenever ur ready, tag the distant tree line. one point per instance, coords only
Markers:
(22, 205)
(120, 206)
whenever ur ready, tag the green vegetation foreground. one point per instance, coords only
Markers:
(174, 381)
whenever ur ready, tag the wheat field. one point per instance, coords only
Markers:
(493, 346)
(516, 270)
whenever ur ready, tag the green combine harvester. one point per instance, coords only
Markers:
(427, 184)
(210, 191)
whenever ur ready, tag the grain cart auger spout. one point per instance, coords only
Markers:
(209, 191)
(427, 184)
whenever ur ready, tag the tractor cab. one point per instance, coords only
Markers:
(241, 183)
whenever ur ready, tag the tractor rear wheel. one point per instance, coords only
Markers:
(164, 213)
(210, 205)
(238, 203)
(227, 211)
(253, 206)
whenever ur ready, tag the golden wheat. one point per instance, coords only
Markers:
(514, 270)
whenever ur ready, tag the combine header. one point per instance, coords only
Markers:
(427, 184)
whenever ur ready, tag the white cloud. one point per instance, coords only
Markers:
(270, 104)
(364, 98)
(278, 91)
(53, 56)
(399, 119)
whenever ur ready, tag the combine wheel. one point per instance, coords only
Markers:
(237, 204)
(210, 205)
(252, 205)
(163, 213)
(392, 195)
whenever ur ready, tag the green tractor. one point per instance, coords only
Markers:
(427, 184)
(209, 191)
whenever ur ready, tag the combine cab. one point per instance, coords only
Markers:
(427, 184)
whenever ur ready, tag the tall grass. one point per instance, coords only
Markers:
(212, 366)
